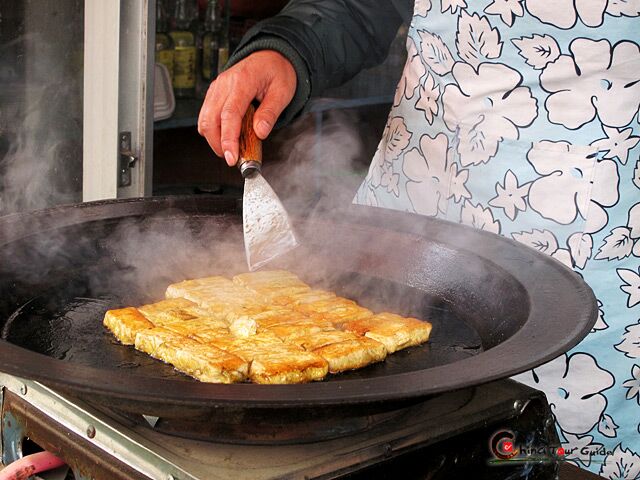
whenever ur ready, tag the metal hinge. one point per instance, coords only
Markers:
(128, 160)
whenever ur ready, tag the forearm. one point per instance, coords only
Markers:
(328, 42)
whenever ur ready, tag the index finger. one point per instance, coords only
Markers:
(231, 115)
(209, 119)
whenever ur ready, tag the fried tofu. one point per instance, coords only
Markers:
(216, 294)
(268, 318)
(336, 310)
(197, 326)
(269, 279)
(125, 323)
(204, 362)
(302, 298)
(249, 351)
(203, 312)
(150, 340)
(248, 348)
(342, 350)
(172, 309)
(243, 326)
(393, 331)
(266, 327)
(352, 354)
(177, 290)
(273, 287)
(287, 366)
(320, 339)
(206, 335)
(288, 331)
(223, 302)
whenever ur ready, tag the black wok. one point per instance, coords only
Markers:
(498, 308)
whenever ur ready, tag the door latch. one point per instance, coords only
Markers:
(128, 160)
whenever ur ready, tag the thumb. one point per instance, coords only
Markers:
(272, 105)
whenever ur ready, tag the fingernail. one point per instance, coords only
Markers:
(228, 156)
(263, 128)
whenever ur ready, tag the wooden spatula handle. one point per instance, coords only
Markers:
(250, 145)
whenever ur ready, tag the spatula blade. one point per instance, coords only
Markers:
(267, 228)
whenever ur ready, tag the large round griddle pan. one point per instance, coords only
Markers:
(498, 307)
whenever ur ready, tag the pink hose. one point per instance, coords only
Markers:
(30, 465)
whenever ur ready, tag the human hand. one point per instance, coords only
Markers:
(266, 76)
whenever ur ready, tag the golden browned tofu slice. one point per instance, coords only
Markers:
(178, 315)
(272, 286)
(197, 326)
(176, 290)
(392, 330)
(279, 296)
(216, 294)
(320, 339)
(234, 311)
(336, 310)
(352, 354)
(203, 312)
(206, 335)
(245, 325)
(287, 331)
(172, 309)
(204, 362)
(150, 340)
(224, 301)
(268, 317)
(301, 298)
(287, 367)
(248, 348)
(269, 279)
(125, 323)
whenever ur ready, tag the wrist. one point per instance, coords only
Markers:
(279, 49)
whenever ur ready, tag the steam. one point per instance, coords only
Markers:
(41, 105)
(316, 177)
(135, 259)
(40, 166)
(164, 249)
(320, 170)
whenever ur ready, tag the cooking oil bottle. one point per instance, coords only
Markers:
(164, 43)
(184, 61)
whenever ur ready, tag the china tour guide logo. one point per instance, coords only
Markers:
(505, 449)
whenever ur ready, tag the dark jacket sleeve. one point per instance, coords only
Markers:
(327, 41)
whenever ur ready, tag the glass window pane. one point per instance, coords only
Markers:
(41, 68)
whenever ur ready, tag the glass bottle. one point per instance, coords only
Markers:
(211, 42)
(164, 43)
(184, 61)
(223, 52)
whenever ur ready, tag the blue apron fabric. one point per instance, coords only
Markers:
(521, 117)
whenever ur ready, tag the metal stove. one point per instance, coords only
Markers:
(419, 442)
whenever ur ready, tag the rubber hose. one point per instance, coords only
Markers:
(30, 465)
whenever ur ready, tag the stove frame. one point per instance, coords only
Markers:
(103, 444)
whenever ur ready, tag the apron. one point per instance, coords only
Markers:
(520, 117)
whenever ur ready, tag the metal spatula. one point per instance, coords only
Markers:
(267, 229)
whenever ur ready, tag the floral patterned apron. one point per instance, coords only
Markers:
(521, 117)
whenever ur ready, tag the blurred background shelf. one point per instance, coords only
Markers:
(185, 115)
